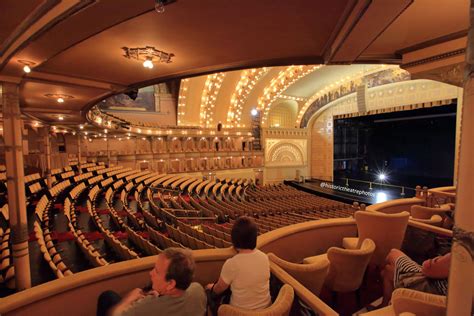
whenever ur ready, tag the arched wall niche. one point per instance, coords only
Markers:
(283, 114)
(387, 98)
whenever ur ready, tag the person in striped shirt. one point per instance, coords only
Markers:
(402, 272)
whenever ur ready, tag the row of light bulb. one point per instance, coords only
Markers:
(182, 100)
(280, 84)
(209, 97)
(245, 85)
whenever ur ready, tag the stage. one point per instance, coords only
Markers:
(361, 193)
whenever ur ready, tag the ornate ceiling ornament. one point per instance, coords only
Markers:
(148, 55)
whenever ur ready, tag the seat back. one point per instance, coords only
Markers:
(281, 306)
(435, 220)
(347, 266)
(423, 212)
(386, 230)
(311, 275)
(418, 303)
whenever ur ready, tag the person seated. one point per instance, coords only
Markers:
(248, 272)
(171, 292)
(402, 272)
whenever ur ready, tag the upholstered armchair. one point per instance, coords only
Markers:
(346, 266)
(281, 306)
(414, 303)
(386, 230)
(423, 212)
(311, 275)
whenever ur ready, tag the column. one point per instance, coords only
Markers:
(79, 153)
(462, 268)
(47, 156)
(108, 152)
(12, 134)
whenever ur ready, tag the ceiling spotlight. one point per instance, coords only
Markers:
(148, 63)
(61, 118)
(27, 69)
(60, 100)
(254, 112)
(159, 6)
(81, 126)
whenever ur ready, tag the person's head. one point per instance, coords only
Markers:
(244, 233)
(174, 269)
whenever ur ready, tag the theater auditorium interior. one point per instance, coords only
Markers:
(132, 126)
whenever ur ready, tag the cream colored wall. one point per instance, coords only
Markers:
(381, 97)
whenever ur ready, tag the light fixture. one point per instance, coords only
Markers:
(159, 6)
(381, 197)
(148, 55)
(60, 98)
(27, 65)
(382, 177)
(81, 126)
(254, 112)
(61, 118)
(148, 63)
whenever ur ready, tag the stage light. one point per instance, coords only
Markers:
(381, 197)
(382, 177)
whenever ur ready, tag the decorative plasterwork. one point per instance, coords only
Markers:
(209, 97)
(374, 76)
(287, 152)
(452, 74)
(279, 84)
(147, 53)
(247, 82)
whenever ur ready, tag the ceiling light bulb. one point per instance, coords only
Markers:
(159, 6)
(254, 112)
(81, 126)
(148, 63)
(60, 100)
(61, 118)
(27, 69)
